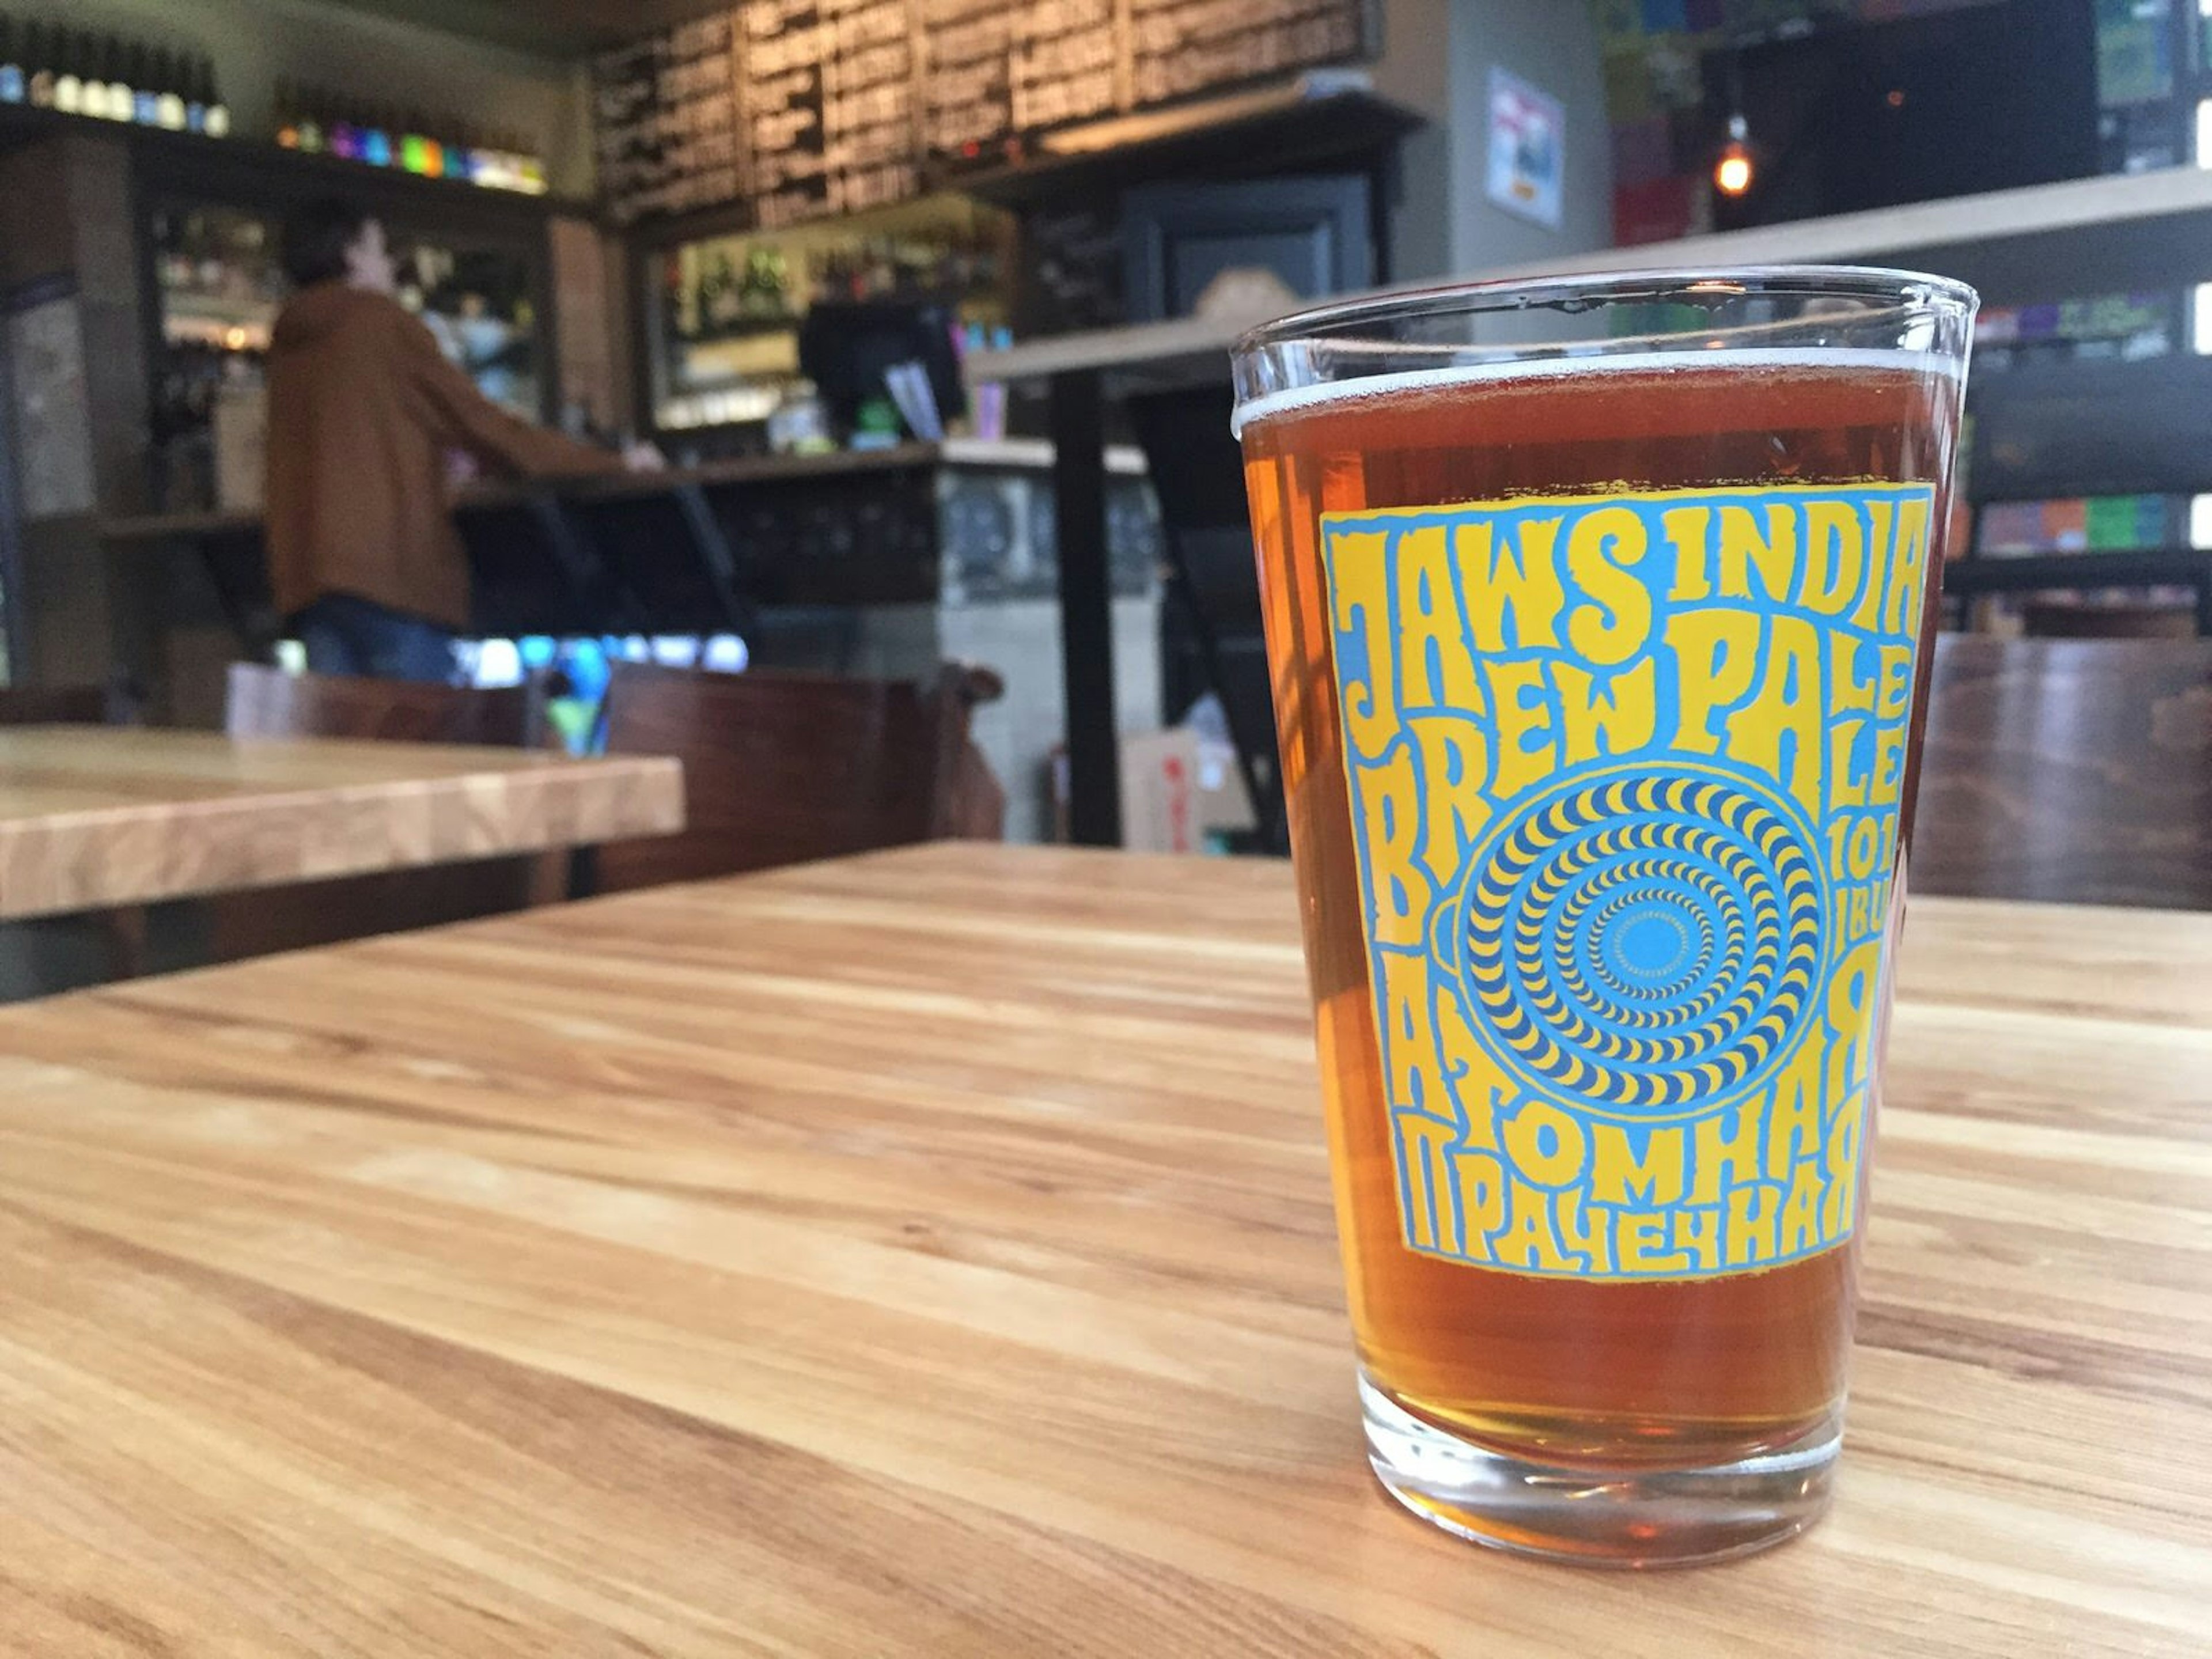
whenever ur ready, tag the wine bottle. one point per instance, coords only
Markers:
(121, 90)
(14, 74)
(169, 82)
(195, 99)
(145, 86)
(218, 112)
(39, 65)
(97, 50)
(68, 73)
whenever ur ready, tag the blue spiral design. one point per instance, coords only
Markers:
(1647, 938)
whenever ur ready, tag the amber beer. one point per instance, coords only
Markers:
(1631, 683)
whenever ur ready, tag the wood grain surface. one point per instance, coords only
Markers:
(92, 818)
(932, 1253)
(2078, 771)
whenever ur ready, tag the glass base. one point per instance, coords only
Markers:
(1646, 1517)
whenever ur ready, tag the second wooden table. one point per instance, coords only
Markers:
(92, 818)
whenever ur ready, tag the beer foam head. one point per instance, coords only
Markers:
(1471, 376)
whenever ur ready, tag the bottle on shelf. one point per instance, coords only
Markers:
(286, 110)
(99, 79)
(460, 152)
(376, 148)
(145, 77)
(413, 150)
(488, 162)
(314, 135)
(216, 118)
(169, 99)
(721, 301)
(92, 76)
(218, 112)
(341, 132)
(39, 65)
(195, 98)
(122, 89)
(68, 73)
(14, 73)
(440, 155)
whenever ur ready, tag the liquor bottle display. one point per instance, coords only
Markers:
(316, 120)
(109, 77)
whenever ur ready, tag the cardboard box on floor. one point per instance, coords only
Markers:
(1177, 791)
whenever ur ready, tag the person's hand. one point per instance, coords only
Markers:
(644, 457)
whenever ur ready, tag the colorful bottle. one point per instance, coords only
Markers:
(376, 146)
(287, 116)
(425, 155)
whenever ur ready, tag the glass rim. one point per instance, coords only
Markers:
(1342, 318)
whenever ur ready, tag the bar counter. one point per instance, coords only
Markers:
(881, 563)
(1027, 454)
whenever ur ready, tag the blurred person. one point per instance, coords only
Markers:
(364, 563)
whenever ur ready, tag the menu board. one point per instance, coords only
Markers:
(667, 121)
(868, 111)
(967, 103)
(1064, 61)
(805, 108)
(1178, 47)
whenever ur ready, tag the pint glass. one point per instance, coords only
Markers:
(1599, 615)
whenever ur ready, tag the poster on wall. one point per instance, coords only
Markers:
(1527, 141)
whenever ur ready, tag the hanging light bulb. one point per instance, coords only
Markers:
(1733, 170)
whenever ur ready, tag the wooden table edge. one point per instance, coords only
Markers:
(645, 798)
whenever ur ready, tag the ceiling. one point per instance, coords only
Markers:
(555, 29)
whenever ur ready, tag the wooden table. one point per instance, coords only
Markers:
(92, 817)
(932, 1253)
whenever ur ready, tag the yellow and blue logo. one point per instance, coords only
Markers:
(1625, 773)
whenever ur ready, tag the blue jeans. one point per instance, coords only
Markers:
(351, 636)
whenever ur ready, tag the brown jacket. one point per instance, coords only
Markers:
(362, 408)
